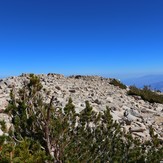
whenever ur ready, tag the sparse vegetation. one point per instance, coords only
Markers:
(42, 133)
(146, 94)
(118, 84)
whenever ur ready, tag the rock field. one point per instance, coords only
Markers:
(133, 113)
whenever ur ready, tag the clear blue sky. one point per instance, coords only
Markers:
(81, 36)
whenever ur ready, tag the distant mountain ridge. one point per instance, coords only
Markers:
(155, 81)
(157, 86)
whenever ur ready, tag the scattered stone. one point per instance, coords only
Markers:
(135, 112)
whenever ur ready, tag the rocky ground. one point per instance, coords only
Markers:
(133, 113)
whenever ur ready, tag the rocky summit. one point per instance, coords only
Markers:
(134, 114)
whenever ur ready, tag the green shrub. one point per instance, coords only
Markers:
(118, 84)
(146, 94)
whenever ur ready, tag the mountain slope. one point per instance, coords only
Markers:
(131, 112)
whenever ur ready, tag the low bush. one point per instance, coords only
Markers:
(118, 84)
(146, 94)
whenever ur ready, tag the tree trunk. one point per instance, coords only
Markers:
(47, 132)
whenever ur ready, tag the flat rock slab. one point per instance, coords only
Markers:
(137, 129)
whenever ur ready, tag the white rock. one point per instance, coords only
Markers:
(1, 132)
(109, 99)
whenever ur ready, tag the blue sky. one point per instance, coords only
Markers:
(115, 37)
